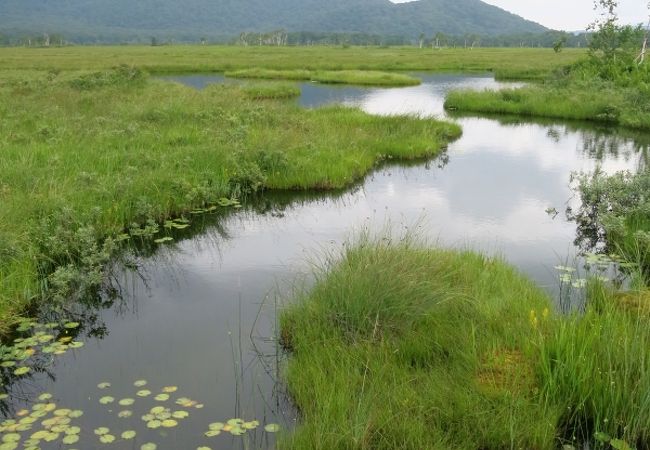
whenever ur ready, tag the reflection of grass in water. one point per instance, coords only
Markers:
(420, 348)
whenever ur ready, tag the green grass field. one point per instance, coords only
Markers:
(90, 156)
(404, 346)
(166, 59)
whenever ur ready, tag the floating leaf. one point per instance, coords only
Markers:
(169, 423)
(216, 426)
(126, 402)
(157, 409)
(235, 422)
(180, 414)
(73, 430)
(106, 400)
(161, 397)
(148, 446)
(272, 428)
(71, 439)
(153, 424)
(251, 425)
(107, 438)
(212, 433)
(11, 437)
(140, 383)
(71, 325)
(76, 414)
(129, 434)
(104, 385)
(143, 393)
(22, 371)
(45, 397)
(7, 364)
(170, 389)
(101, 431)
(125, 414)
(203, 448)
(162, 240)
(76, 344)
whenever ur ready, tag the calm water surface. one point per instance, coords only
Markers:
(200, 314)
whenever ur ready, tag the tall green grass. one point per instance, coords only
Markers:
(597, 101)
(91, 155)
(404, 346)
(355, 77)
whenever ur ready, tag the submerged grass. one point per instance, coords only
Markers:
(403, 346)
(355, 77)
(89, 156)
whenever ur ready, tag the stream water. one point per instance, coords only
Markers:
(200, 314)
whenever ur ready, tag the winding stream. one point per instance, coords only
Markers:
(199, 314)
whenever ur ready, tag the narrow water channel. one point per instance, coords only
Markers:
(200, 314)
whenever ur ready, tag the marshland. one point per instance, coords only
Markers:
(324, 247)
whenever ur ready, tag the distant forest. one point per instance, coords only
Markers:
(547, 39)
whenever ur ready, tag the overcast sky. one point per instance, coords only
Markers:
(569, 15)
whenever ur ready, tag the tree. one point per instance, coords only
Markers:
(559, 44)
(421, 39)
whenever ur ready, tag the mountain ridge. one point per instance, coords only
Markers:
(230, 17)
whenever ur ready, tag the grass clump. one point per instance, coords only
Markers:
(358, 77)
(399, 346)
(107, 164)
(402, 346)
(266, 91)
(575, 101)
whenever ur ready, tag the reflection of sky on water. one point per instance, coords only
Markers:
(203, 296)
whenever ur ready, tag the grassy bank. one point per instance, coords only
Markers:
(86, 157)
(355, 77)
(270, 91)
(596, 101)
(401, 346)
(166, 59)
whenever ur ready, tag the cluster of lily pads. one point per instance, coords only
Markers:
(162, 416)
(48, 339)
(54, 424)
(238, 427)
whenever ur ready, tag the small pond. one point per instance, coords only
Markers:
(199, 315)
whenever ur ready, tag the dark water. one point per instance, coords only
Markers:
(200, 314)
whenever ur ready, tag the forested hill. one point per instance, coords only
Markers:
(192, 19)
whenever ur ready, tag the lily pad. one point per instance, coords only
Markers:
(148, 446)
(104, 385)
(22, 371)
(125, 414)
(272, 428)
(101, 431)
(143, 393)
(212, 433)
(161, 397)
(107, 439)
(169, 423)
(180, 414)
(140, 383)
(71, 325)
(70, 439)
(106, 400)
(129, 434)
(169, 389)
(126, 402)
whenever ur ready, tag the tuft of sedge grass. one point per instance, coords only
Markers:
(596, 368)
(269, 91)
(104, 152)
(354, 77)
(403, 346)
